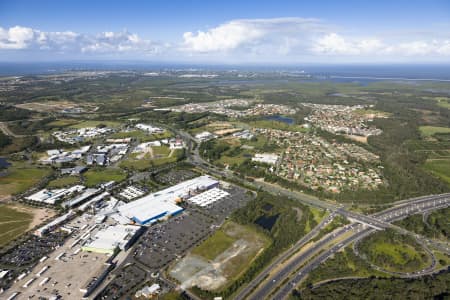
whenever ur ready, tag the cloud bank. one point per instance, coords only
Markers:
(25, 38)
(241, 40)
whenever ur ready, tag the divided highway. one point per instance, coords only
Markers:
(362, 226)
(388, 216)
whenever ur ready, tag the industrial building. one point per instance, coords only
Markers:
(267, 158)
(149, 128)
(205, 136)
(73, 171)
(52, 196)
(113, 238)
(158, 205)
(53, 224)
(208, 197)
(81, 198)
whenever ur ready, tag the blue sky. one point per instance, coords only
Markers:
(226, 31)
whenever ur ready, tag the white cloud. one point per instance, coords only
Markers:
(22, 38)
(279, 33)
(335, 44)
(242, 40)
(16, 37)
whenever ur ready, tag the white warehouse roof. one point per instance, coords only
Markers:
(208, 197)
(162, 203)
(108, 239)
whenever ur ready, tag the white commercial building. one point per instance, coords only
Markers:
(52, 196)
(205, 136)
(149, 128)
(268, 158)
(112, 238)
(158, 205)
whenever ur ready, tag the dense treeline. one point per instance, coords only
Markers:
(427, 287)
(213, 150)
(343, 264)
(392, 251)
(11, 113)
(437, 224)
(289, 227)
(4, 140)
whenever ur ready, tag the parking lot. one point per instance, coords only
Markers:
(165, 242)
(173, 177)
(24, 257)
(68, 268)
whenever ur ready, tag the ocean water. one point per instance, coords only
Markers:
(342, 73)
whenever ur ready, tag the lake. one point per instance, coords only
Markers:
(4, 163)
(279, 118)
(267, 222)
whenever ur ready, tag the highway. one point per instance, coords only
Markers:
(285, 255)
(389, 215)
(380, 220)
(287, 288)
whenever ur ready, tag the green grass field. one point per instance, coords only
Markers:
(94, 177)
(225, 239)
(132, 163)
(161, 151)
(13, 223)
(439, 168)
(213, 246)
(64, 182)
(400, 254)
(21, 177)
(428, 131)
(394, 252)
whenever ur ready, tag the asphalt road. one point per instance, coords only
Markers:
(261, 276)
(379, 220)
(390, 215)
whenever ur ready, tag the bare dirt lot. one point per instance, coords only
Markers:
(197, 270)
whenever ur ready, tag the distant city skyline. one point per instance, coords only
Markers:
(233, 32)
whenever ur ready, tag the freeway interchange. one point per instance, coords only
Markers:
(278, 279)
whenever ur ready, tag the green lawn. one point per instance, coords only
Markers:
(161, 151)
(439, 168)
(136, 164)
(21, 177)
(259, 143)
(132, 163)
(13, 223)
(213, 246)
(96, 176)
(427, 131)
(64, 182)
(228, 160)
